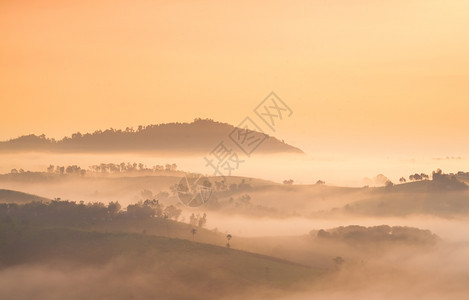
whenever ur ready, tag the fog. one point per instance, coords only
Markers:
(333, 168)
(438, 274)
(234, 150)
(449, 229)
(254, 237)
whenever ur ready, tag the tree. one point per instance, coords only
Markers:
(193, 231)
(228, 238)
(290, 181)
(113, 208)
(14, 171)
(197, 220)
(338, 261)
(415, 177)
(245, 199)
(76, 135)
(323, 234)
(139, 211)
(193, 220)
(320, 182)
(72, 169)
(59, 170)
(203, 220)
(402, 180)
(438, 174)
(389, 184)
(172, 212)
(155, 206)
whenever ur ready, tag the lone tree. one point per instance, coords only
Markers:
(228, 238)
(402, 180)
(193, 231)
(338, 261)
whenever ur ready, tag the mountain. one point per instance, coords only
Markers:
(200, 136)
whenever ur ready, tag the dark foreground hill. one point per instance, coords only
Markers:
(200, 136)
(9, 196)
(60, 263)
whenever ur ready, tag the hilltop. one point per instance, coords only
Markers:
(199, 136)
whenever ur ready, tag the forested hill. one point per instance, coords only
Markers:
(200, 136)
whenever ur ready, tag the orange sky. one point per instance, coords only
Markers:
(363, 74)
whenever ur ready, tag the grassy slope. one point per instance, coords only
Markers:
(422, 197)
(212, 271)
(267, 198)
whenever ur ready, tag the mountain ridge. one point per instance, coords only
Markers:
(199, 136)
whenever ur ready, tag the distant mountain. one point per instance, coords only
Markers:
(200, 136)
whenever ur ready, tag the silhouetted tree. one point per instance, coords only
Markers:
(437, 174)
(113, 208)
(323, 234)
(172, 212)
(193, 220)
(415, 177)
(338, 261)
(203, 220)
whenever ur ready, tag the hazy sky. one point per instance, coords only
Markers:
(362, 74)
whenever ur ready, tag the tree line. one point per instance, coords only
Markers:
(105, 168)
(70, 213)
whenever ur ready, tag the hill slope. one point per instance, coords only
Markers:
(9, 196)
(133, 266)
(200, 136)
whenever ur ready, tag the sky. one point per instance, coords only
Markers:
(360, 76)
